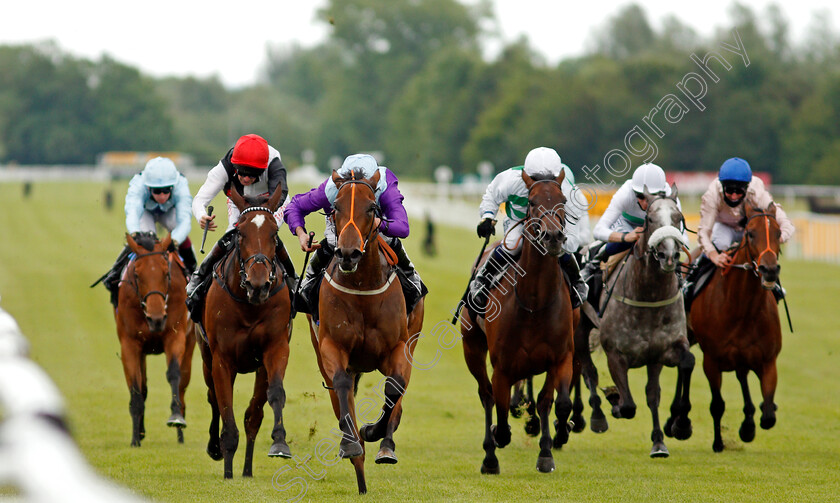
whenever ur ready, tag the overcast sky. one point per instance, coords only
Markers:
(204, 38)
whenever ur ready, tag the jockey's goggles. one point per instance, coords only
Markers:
(161, 190)
(739, 189)
(249, 173)
(641, 196)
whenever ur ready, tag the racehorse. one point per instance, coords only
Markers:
(735, 320)
(151, 318)
(527, 329)
(247, 322)
(363, 325)
(643, 323)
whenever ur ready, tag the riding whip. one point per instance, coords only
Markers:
(303, 273)
(206, 228)
(472, 277)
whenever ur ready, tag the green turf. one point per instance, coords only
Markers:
(61, 239)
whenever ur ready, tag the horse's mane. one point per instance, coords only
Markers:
(255, 200)
(146, 240)
(356, 174)
(542, 176)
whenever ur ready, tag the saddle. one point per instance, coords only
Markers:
(698, 280)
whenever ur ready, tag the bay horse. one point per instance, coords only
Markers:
(735, 319)
(529, 331)
(247, 322)
(151, 317)
(644, 323)
(363, 325)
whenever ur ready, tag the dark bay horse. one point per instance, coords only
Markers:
(735, 320)
(151, 317)
(528, 330)
(643, 323)
(247, 322)
(363, 325)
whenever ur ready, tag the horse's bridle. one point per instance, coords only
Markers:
(136, 286)
(258, 258)
(750, 264)
(377, 210)
(649, 249)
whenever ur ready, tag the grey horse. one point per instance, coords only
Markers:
(643, 322)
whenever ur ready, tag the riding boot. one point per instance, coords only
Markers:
(579, 287)
(593, 265)
(188, 256)
(407, 267)
(483, 281)
(112, 278)
(284, 260)
(216, 254)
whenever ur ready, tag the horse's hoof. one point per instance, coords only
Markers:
(532, 426)
(767, 422)
(545, 464)
(489, 470)
(515, 411)
(717, 446)
(176, 420)
(659, 451)
(350, 450)
(135, 443)
(386, 456)
(598, 425)
(681, 432)
(215, 452)
(578, 424)
(279, 450)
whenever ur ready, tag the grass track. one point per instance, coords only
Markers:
(60, 240)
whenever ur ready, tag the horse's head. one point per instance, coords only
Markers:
(761, 238)
(663, 235)
(355, 212)
(546, 212)
(152, 277)
(256, 243)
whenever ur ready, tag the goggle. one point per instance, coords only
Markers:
(248, 173)
(734, 189)
(161, 190)
(641, 196)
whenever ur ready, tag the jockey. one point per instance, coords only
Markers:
(158, 194)
(622, 223)
(254, 168)
(722, 211)
(393, 225)
(509, 188)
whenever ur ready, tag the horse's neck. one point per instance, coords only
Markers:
(541, 272)
(741, 287)
(648, 279)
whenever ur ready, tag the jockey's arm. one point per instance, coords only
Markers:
(394, 222)
(183, 212)
(216, 180)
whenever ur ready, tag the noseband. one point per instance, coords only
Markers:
(365, 240)
(136, 286)
(752, 265)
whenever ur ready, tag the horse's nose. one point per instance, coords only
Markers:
(156, 323)
(555, 236)
(352, 255)
(769, 273)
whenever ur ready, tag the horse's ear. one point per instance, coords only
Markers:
(771, 208)
(237, 198)
(750, 210)
(527, 179)
(560, 177)
(274, 200)
(336, 178)
(647, 194)
(674, 192)
(167, 241)
(132, 243)
(374, 180)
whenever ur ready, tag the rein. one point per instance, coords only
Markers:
(136, 286)
(752, 265)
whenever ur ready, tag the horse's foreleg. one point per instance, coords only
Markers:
(545, 461)
(398, 370)
(214, 449)
(475, 355)
(132, 368)
(174, 347)
(652, 393)
(563, 404)
(597, 419)
(768, 379)
(747, 430)
(501, 396)
(717, 406)
(186, 374)
(223, 380)
(678, 424)
(253, 418)
(532, 423)
(626, 407)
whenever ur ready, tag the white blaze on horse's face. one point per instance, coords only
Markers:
(665, 240)
(258, 220)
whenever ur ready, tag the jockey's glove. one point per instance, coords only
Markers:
(486, 228)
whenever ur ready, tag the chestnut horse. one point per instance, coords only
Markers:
(363, 325)
(735, 320)
(151, 317)
(247, 322)
(644, 324)
(527, 329)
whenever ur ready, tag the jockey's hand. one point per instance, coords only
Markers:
(486, 228)
(720, 259)
(303, 237)
(208, 221)
(634, 235)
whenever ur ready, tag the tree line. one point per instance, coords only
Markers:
(409, 79)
